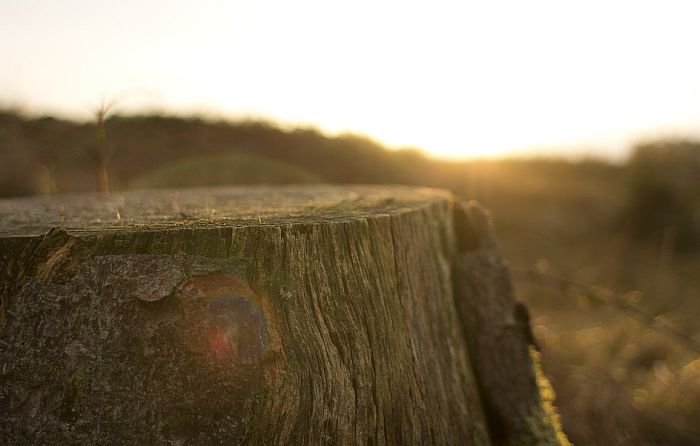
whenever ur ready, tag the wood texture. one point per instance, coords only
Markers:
(304, 315)
(499, 336)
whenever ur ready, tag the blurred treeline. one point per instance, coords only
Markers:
(47, 155)
(633, 228)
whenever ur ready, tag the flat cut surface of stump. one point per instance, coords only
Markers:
(246, 315)
(208, 207)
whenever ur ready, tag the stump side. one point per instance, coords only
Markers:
(329, 318)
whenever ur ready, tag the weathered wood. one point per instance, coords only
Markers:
(499, 335)
(307, 315)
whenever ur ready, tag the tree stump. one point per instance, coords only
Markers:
(304, 315)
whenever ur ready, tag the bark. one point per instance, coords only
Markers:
(303, 315)
(499, 336)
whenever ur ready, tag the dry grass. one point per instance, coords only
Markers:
(617, 381)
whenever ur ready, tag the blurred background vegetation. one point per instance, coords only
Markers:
(631, 228)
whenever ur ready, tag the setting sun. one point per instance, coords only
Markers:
(456, 79)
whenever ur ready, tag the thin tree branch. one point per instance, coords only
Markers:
(614, 299)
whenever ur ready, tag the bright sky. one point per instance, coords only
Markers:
(457, 79)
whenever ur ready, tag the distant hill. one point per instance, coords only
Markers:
(230, 168)
(44, 155)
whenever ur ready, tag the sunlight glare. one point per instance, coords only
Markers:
(456, 79)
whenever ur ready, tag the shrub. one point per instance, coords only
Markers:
(664, 193)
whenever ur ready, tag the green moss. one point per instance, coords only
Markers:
(544, 425)
(54, 370)
(72, 397)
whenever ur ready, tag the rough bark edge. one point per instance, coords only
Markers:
(481, 301)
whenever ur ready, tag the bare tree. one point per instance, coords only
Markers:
(102, 153)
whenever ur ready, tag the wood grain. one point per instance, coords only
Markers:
(303, 315)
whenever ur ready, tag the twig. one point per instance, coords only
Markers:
(616, 300)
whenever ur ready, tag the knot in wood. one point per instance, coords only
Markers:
(239, 329)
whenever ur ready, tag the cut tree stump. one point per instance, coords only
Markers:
(264, 315)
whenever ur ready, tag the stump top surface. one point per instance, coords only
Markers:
(208, 207)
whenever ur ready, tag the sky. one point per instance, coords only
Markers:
(455, 78)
